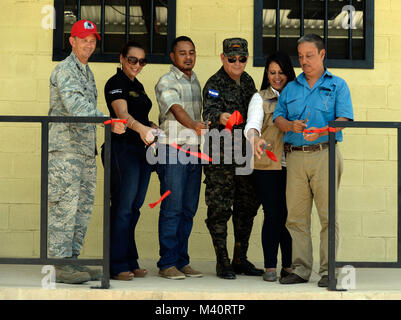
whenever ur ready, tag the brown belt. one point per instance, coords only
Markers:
(309, 148)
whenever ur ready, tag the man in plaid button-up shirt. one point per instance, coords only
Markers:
(178, 94)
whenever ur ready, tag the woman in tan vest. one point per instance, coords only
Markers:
(269, 176)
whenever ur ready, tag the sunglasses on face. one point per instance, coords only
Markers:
(134, 60)
(234, 59)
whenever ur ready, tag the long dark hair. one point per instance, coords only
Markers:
(284, 61)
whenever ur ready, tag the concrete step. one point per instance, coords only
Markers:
(25, 282)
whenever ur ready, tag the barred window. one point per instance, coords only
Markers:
(149, 22)
(347, 27)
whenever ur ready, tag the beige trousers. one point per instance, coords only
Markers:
(308, 180)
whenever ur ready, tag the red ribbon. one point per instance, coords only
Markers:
(199, 155)
(271, 155)
(116, 120)
(235, 119)
(329, 129)
(164, 196)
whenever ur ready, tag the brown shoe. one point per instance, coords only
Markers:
(189, 272)
(140, 273)
(171, 273)
(124, 276)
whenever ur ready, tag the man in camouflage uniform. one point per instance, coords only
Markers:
(72, 149)
(230, 89)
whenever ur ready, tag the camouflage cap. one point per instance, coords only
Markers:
(235, 47)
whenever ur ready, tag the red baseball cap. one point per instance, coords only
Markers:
(84, 28)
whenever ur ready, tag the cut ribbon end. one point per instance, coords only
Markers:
(164, 196)
(271, 155)
(235, 119)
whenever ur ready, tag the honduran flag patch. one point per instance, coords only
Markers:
(213, 93)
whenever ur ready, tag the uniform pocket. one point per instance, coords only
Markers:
(295, 106)
(327, 100)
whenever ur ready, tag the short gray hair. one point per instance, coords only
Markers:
(314, 38)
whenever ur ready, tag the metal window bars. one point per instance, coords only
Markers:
(277, 17)
(333, 264)
(43, 259)
(151, 22)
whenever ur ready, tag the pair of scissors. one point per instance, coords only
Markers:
(269, 153)
(307, 118)
(156, 137)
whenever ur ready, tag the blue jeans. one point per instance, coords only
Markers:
(178, 209)
(130, 175)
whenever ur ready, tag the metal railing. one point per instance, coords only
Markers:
(333, 264)
(43, 259)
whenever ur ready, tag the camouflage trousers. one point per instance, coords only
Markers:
(229, 195)
(71, 194)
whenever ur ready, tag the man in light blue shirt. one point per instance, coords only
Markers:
(309, 102)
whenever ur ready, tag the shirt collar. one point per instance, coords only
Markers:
(276, 93)
(179, 74)
(83, 67)
(228, 77)
(301, 79)
(121, 73)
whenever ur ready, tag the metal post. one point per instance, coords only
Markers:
(278, 26)
(332, 211)
(102, 23)
(326, 25)
(44, 189)
(127, 20)
(152, 21)
(106, 208)
(302, 19)
(350, 33)
(399, 196)
(78, 10)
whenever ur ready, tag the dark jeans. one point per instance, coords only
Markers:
(130, 175)
(178, 209)
(271, 185)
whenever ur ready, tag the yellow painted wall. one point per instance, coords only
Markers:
(367, 199)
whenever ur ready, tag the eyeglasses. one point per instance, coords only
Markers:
(134, 60)
(234, 59)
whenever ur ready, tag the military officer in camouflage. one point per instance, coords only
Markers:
(72, 148)
(228, 194)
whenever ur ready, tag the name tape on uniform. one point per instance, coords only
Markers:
(116, 91)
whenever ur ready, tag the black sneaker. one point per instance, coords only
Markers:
(292, 279)
(225, 271)
(323, 282)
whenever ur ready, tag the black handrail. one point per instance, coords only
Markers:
(332, 202)
(44, 260)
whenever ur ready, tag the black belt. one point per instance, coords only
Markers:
(308, 148)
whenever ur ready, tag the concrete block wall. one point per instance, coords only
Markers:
(368, 193)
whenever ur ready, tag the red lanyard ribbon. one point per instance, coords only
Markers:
(235, 119)
(116, 120)
(164, 196)
(329, 129)
(199, 155)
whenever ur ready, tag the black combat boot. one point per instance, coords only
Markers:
(223, 266)
(240, 263)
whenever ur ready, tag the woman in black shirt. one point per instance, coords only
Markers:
(130, 172)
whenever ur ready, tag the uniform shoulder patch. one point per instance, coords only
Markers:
(213, 93)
